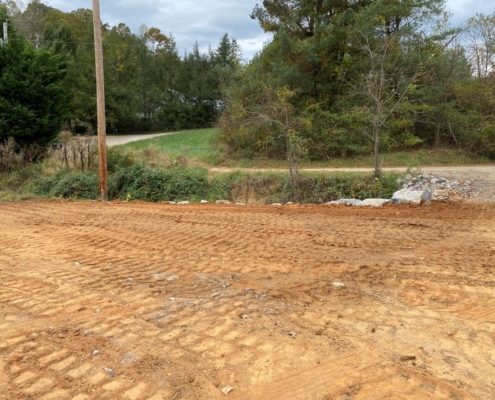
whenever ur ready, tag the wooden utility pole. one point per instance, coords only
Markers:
(100, 101)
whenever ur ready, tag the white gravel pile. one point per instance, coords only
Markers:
(442, 189)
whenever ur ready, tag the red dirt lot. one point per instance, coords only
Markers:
(149, 301)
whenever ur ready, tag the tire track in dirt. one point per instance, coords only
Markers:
(183, 301)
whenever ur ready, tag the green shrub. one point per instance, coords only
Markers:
(68, 185)
(324, 188)
(119, 157)
(153, 184)
(246, 188)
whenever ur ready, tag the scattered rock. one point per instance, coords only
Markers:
(110, 372)
(96, 352)
(183, 203)
(338, 285)
(290, 203)
(374, 203)
(292, 334)
(77, 264)
(415, 197)
(345, 202)
(276, 204)
(243, 316)
(204, 202)
(240, 204)
(227, 390)
(129, 358)
(442, 189)
(171, 202)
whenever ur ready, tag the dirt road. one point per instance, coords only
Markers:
(116, 140)
(138, 301)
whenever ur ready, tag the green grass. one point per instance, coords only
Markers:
(194, 144)
(199, 145)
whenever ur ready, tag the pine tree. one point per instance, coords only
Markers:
(33, 102)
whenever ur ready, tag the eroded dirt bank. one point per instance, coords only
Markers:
(141, 301)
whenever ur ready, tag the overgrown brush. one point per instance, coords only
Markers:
(155, 184)
(134, 181)
(75, 185)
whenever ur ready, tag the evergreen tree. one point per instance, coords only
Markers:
(33, 102)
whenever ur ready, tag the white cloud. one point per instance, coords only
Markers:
(205, 21)
(189, 21)
(463, 9)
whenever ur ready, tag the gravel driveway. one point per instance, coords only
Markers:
(116, 140)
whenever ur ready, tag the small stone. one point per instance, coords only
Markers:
(110, 372)
(96, 352)
(183, 203)
(243, 316)
(338, 285)
(227, 390)
(290, 203)
(292, 334)
(276, 204)
(373, 330)
(129, 358)
(77, 264)
(204, 202)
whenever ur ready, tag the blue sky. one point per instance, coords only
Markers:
(206, 21)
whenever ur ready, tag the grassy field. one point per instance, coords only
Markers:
(194, 144)
(198, 145)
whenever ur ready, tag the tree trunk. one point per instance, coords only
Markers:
(376, 149)
(66, 157)
(437, 135)
(293, 168)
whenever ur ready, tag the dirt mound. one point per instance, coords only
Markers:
(139, 301)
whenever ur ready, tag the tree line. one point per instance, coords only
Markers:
(149, 86)
(342, 78)
(339, 78)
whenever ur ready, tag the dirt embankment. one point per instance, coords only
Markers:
(139, 301)
(482, 176)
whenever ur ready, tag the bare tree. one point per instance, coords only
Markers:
(384, 86)
(480, 44)
(279, 114)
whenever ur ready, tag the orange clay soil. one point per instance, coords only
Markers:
(148, 301)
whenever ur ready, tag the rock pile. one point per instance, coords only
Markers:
(417, 190)
(441, 188)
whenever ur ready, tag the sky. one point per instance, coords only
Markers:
(205, 21)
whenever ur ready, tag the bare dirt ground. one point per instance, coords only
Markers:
(139, 301)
